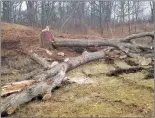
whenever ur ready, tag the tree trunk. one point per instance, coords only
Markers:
(152, 10)
(101, 16)
(6, 11)
(46, 81)
(30, 12)
(122, 44)
(122, 14)
(129, 17)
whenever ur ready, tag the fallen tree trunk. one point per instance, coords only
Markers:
(122, 44)
(92, 43)
(104, 42)
(46, 81)
(124, 47)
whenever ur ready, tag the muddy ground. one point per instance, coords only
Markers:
(128, 94)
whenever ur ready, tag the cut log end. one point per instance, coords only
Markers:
(46, 97)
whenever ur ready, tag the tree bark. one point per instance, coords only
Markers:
(99, 42)
(123, 44)
(35, 57)
(124, 47)
(46, 81)
(139, 35)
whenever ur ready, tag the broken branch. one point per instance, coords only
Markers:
(52, 78)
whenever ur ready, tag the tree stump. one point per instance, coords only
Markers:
(45, 41)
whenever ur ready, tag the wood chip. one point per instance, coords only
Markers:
(61, 54)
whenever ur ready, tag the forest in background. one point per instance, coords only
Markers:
(79, 16)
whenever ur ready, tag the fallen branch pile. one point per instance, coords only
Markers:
(52, 75)
(46, 80)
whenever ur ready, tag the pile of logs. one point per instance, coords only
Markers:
(52, 76)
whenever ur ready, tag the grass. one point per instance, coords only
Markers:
(109, 96)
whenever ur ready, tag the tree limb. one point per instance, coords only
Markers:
(52, 78)
(139, 35)
(36, 58)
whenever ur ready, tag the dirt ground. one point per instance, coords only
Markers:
(123, 95)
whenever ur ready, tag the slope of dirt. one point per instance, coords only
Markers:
(17, 32)
(125, 95)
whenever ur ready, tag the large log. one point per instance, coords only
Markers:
(123, 44)
(124, 47)
(91, 43)
(47, 81)
(103, 42)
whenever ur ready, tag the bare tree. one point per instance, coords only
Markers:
(74, 16)
(129, 16)
(7, 10)
(30, 12)
(122, 12)
(152, 10)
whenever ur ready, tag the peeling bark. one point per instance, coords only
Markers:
(46, 81)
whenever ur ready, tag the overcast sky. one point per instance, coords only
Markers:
(24, 6)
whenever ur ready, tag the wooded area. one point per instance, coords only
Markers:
(77, 17)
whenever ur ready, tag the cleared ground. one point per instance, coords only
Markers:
(125, 95)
